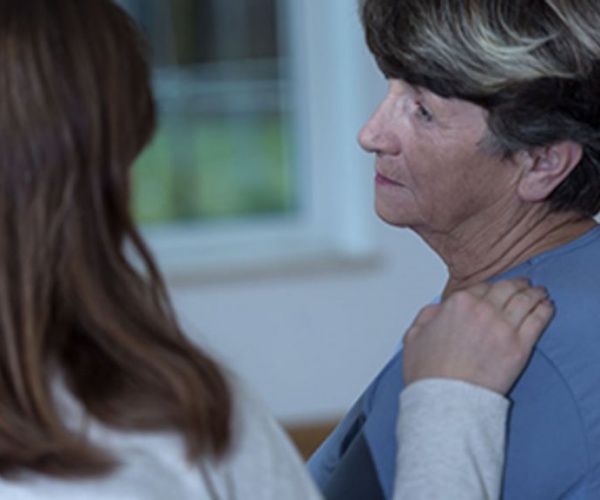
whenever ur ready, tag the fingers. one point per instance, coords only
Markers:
(515, 298)
(500, 294)
(534, 323)
(425, 316)
(483, 335)
(479, 290)
(522, 304)
(524, 308)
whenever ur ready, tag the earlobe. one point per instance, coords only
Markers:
(546, 167)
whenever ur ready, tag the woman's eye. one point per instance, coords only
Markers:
(423, 112)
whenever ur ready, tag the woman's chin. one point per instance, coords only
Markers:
(393, 219)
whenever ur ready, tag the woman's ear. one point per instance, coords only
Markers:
(544, 168)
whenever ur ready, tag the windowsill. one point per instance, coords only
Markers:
(197, 261)
(318, 264)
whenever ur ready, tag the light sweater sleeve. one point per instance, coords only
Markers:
(451, 438)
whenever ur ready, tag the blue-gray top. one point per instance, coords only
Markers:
(554, 424)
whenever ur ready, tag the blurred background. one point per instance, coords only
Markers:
(257, 201)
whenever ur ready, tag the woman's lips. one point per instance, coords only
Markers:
(382, 180)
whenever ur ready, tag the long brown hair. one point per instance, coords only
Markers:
(76, 110)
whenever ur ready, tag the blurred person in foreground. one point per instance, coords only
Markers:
(487, 145)
(101, 394)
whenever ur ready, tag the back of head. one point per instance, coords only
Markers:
(533, 64)
(76, 109)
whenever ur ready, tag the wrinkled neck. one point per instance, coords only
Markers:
(473, 255)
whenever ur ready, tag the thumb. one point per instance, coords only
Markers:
(425, 316)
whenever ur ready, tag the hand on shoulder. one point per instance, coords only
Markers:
(483, 335)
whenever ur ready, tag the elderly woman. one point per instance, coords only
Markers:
(487, 145)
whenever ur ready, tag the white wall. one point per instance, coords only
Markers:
(309, 343)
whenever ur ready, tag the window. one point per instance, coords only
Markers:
(248, 167)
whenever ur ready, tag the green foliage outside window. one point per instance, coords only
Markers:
(201, 170)
(223, 146)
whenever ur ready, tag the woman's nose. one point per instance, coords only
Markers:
(367, 137)
(378, 135)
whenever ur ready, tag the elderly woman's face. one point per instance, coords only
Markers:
(432, 173)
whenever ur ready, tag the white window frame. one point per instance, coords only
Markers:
(329, 68)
